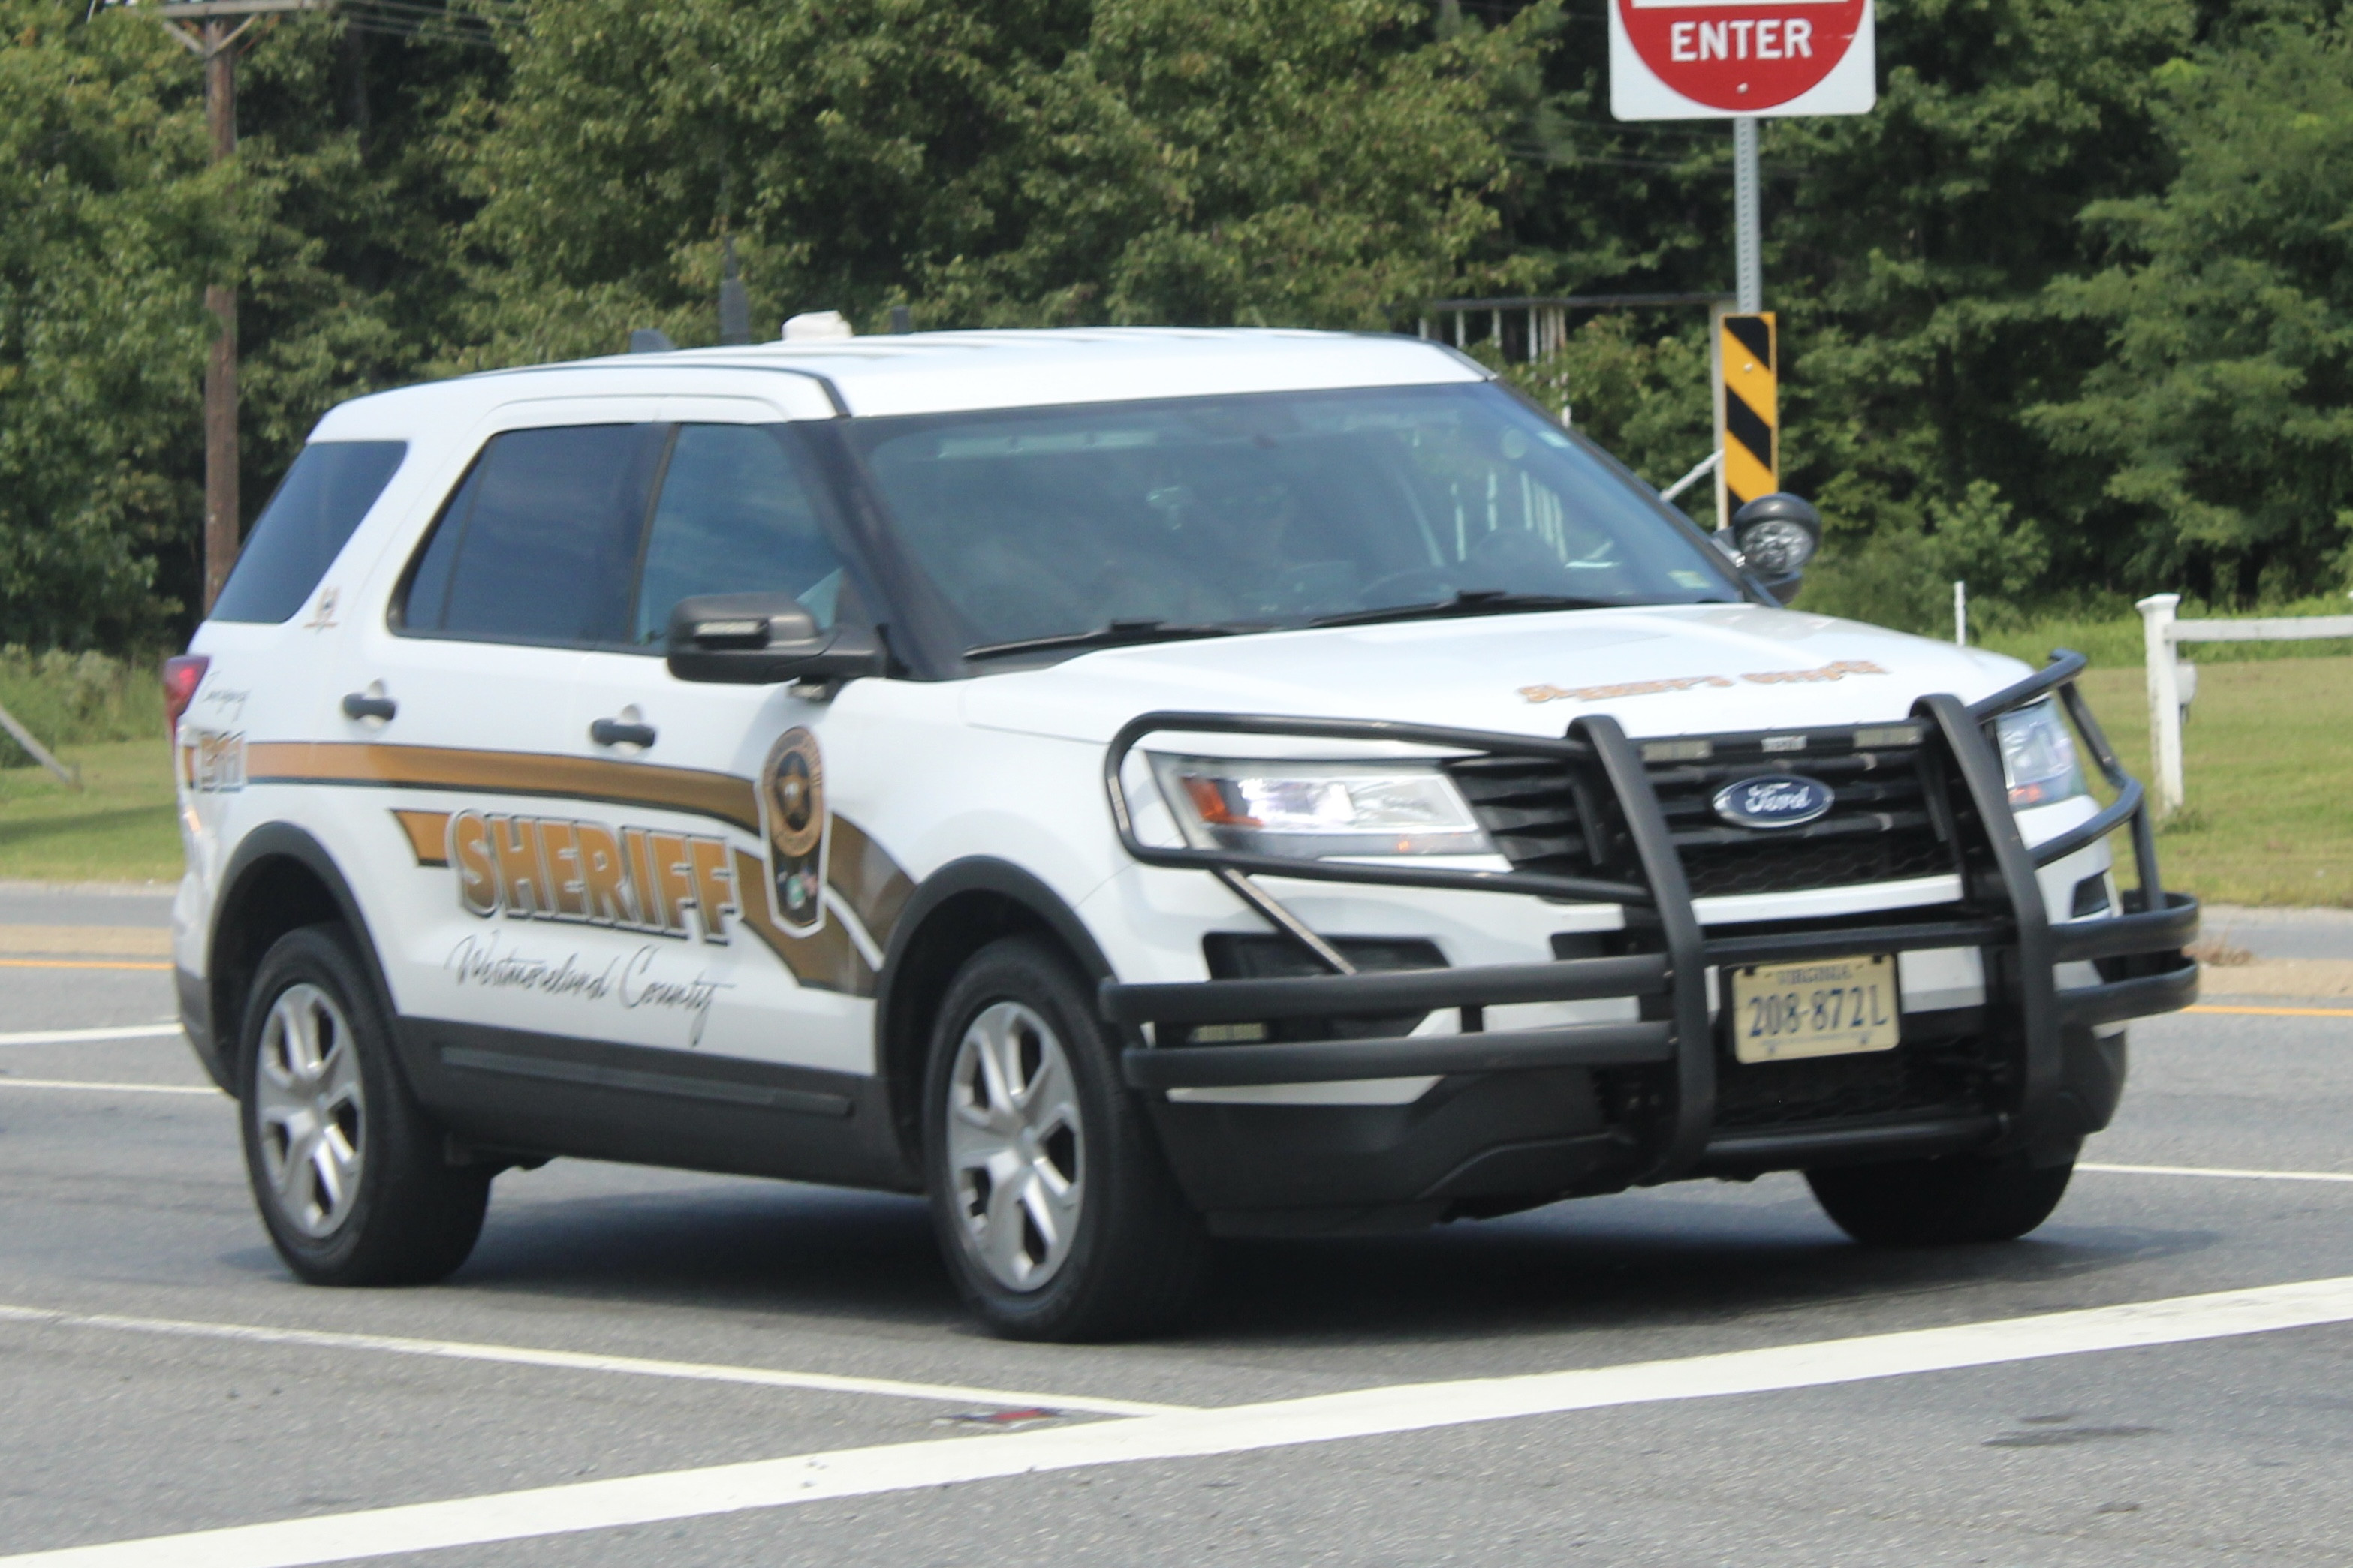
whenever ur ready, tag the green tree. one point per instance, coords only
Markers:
(113, 224)
(1908, 251)
(352, 131)
(2222, 410)
(1919, 242)
(1308, 162)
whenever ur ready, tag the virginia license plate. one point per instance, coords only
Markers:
(1825, 1007)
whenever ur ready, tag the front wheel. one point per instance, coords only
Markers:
(1940, 1203)
(1056, 1212)
(352, 1179)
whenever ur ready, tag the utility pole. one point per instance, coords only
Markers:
(204, 26)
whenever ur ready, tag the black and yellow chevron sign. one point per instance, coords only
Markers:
(1749, 349)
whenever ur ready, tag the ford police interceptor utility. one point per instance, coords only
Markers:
(1132, 786)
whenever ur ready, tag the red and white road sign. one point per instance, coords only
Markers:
(1715, 59)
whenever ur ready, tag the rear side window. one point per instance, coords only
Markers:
(734, 517)
(540, 543)
(303, 529)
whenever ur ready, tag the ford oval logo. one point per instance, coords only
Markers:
(1774, 800)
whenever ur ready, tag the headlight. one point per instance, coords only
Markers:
(2038, 756)
(1311, 811)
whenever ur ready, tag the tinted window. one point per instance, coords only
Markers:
(540, 543)
(1271, 510)
(300, 531)
(734, 517)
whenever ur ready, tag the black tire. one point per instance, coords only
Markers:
(407, 1216)
(1940, 1203)
(1135, 1258)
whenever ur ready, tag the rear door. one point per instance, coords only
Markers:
(458, 723)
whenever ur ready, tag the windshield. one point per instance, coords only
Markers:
(1271, 510)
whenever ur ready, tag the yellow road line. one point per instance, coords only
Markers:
(75, 963)
(2277, 1012)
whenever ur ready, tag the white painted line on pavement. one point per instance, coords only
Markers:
(572, 1361)
(2219, 1173)
(10, 1082)
(1366, 1413)
(75, 1036)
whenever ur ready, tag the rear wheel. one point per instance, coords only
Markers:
(1056, 1213)
(1940, 1203)
(350, 1176)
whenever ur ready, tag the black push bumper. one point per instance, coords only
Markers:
(2033, 1029)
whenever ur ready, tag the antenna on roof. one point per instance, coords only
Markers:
(734, 304)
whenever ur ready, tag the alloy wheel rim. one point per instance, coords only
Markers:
(310, 1111)
(1016, 1147)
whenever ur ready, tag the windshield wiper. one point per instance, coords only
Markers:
(1469, 602)
(1111, 634)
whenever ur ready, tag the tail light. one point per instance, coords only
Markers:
(182, 673)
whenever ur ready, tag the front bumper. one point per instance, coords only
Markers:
(1526, 1114)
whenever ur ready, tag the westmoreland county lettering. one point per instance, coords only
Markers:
(630, 982)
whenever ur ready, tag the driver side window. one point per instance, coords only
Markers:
(734, 516)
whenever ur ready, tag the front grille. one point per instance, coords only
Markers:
(1887, 824)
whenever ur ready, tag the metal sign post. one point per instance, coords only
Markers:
(1748, 219)
(1742, 60)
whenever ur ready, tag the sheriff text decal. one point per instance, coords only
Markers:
(556, 868)
(1838, 671)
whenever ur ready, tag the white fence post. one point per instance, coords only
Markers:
(2164, 700)
(1961, 613)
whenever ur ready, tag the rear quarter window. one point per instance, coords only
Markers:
(305, 527)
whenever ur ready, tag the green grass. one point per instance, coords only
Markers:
(66, 698)
(120, 827)
(2267, 762)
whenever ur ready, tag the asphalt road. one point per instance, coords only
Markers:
(161, 1375)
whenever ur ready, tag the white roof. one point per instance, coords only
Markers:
(937, 372)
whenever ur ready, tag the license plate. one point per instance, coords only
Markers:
(1825, 1007)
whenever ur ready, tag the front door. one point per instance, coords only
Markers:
(778, 967)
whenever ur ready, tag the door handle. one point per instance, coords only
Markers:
(621, 733)
(360, 705)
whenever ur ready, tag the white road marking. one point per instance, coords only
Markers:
(572, 1361)
(1366, 1413)
(2219, 1173)
(207, 1090)
(75, 1036)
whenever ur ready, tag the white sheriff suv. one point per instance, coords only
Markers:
(1132, 786)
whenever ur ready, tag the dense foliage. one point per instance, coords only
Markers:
(2068, 315)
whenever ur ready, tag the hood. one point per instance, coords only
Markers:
(1688, 669)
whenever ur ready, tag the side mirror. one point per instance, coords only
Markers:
(762, 639)
(1776, 535)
